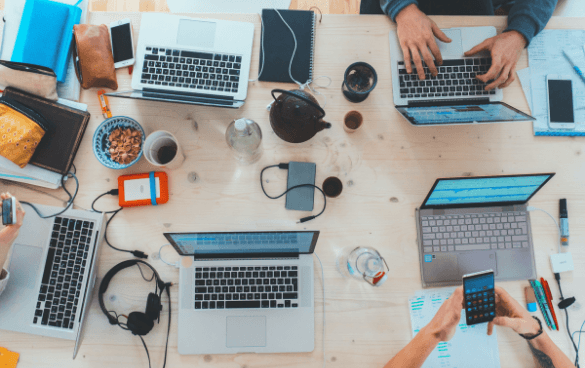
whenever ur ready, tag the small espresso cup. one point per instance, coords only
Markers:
(352, 121)
(162, 149)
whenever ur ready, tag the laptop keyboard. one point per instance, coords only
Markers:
(65, 270)
(450, 233)
(456, 78)
(246, 287)
(191, 70)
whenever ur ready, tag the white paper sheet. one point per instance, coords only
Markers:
(545, 56)
(470, 343)
(70, 89)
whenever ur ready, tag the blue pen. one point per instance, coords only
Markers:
(577, 59)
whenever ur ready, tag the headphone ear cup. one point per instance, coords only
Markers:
(153, 306)
(139, 323)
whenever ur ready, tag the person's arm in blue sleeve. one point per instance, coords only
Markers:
(529, 17)
(393, 7)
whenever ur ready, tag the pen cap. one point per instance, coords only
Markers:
(530, 299)
(563, 208)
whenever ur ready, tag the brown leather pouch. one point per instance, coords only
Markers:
(94, 63)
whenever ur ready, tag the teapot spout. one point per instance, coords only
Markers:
(324, 125)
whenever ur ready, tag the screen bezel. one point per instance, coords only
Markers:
(470, 102)
(560, 124)
(482, 204)
(169, 237)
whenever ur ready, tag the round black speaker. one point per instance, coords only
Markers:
(139, 323)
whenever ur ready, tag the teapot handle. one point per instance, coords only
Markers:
(301, 97)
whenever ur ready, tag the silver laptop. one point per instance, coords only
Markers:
(470, 224)
(246, 292)
(52, 274)
(454, 96)
(193, 61)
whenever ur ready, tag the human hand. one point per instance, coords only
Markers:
(444, 324)
(19, 210)
(505, 50)
(509, 313)
(417, 32)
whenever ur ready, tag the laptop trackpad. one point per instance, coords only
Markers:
(24, 266)
(477, 261)
(440, 267)
(246, 332)
(453, 49)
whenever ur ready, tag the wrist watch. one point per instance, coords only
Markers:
(533, 336)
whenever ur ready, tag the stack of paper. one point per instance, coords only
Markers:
(70, 89)
(470, 343)
(545, 56)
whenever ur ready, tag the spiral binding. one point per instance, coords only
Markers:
(312, 47)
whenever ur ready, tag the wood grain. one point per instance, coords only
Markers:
(387, 168)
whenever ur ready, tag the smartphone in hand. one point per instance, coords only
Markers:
(479, 297)
(9, 211)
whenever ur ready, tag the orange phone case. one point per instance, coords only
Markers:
(164, 190)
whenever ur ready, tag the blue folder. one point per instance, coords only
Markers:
(45, 34)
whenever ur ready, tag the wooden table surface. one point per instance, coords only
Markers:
(386, 168)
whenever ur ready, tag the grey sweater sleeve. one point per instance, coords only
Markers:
(529, 17)
(393, 7)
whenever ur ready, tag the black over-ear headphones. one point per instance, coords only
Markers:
(137, 322)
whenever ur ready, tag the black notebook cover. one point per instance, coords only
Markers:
(279, 44)
(58, 148)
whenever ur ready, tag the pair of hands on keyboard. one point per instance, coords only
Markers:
(9, 234)
(417, 32)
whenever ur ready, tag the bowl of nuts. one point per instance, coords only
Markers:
(117, 142)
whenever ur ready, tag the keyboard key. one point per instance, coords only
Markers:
(242, 304)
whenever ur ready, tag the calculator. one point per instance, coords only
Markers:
(480, 301)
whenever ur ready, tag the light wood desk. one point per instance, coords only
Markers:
(387, 168)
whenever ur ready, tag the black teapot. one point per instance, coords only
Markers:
(295, 116)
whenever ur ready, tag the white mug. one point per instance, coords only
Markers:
(154, 142)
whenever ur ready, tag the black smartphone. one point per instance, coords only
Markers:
(479, 297)
(301, 199)
(8, 211)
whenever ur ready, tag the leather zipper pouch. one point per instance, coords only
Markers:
(21, 131)
(94, 62)
(34, 79)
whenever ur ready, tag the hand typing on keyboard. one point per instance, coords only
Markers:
(505, 50)
(417, 32)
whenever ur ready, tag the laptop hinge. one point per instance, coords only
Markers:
(250, 258)
(449, 102)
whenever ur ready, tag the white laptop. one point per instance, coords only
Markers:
(246, 292)
(52, 273)
(454, 96)
(193, 61)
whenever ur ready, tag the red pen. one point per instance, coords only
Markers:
(549, 298)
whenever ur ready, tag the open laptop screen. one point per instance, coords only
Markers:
(462, 114)
(477, 191)
(243, 243)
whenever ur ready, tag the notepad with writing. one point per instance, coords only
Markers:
(278, 45)
(57, 150)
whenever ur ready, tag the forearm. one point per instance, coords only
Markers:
(393, 7)
(529, 17)
(416, 352)
(547, 355)
(7, 236)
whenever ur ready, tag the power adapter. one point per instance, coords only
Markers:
(562, 262)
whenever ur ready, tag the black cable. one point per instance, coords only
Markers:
(69, 201)
(285, 166)
(168, 287)
(135, 253)
(558, 278)
(145, 348)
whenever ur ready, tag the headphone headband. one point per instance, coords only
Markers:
(108, 277)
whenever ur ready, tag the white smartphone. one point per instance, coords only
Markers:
(560, 102)
(122, 43)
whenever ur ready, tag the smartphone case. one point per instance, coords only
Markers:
(301, 199)
(154, 200)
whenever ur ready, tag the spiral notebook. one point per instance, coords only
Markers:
(278, 45)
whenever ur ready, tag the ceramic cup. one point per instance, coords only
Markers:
(352, 121)
(162, 149)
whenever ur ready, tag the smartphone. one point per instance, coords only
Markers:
(479, 297)
(300, 199)
(122, 43)
(560, 102)
(9, 211)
